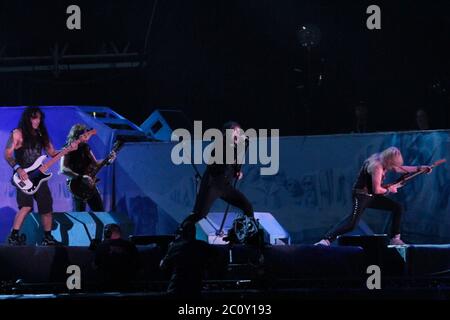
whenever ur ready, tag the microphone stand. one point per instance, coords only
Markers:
(198, 177)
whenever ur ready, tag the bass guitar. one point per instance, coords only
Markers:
(37, 172)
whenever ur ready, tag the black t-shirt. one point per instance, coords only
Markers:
(27, 154)
(80, 161)
(224, 169)
(364, 180)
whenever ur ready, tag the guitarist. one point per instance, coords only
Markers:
(78, 164)
(369, 192)
(24, 146)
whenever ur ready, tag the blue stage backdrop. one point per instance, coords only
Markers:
(311, 192)
(59, 120)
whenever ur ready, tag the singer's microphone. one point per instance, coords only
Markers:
(247, 141)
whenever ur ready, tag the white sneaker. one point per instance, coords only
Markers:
(323, 242)
(396, 241)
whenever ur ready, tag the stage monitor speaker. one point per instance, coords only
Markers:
(207, 228)
(161, 123)
(76, 228)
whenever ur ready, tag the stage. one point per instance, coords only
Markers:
(240, 272)
(275, 125)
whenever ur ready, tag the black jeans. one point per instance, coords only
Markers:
(95, 203)
(211, 188)
(360, 203)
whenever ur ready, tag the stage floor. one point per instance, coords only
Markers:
(294, 271)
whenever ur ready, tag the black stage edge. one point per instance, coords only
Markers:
(240, 273)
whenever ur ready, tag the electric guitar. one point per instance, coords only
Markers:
(37, 172)
(85, 191)
(401, 182)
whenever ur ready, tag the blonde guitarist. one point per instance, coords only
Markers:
(369, 192)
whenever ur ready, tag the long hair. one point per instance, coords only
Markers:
(75, 132)
(29, 135)
(390, 157)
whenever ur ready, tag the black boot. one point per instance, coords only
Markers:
(14, 239)
(48, 240)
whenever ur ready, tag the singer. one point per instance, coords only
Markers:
(218, 177)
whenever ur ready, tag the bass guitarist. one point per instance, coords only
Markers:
(24, 146)
(79, 164)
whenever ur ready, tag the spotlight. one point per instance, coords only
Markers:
(308, 36)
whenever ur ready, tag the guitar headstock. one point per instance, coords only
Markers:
(117, 145)
(87, 135)
(439, 162)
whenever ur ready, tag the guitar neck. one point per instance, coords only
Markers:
(99, 167)
(412, 175)
(105, 161)
(409, 177)
(415, 174)
(65, 151)
(53, 160)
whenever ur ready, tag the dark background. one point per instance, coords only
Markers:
(236, 59)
